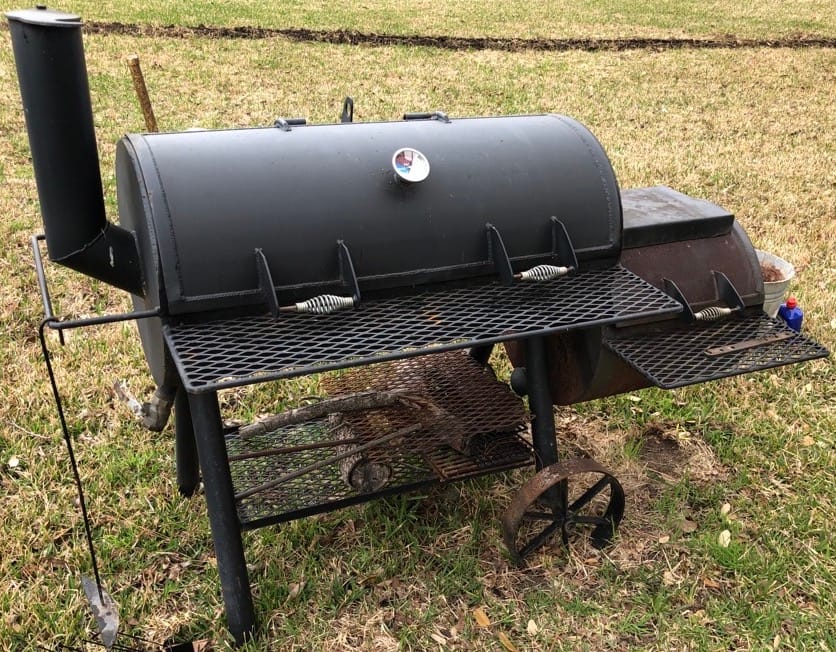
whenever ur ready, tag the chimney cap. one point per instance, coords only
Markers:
(44, 17)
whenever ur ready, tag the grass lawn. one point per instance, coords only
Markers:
(751, 129)
(519, 18)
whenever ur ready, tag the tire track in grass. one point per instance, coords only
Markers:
(351, 37)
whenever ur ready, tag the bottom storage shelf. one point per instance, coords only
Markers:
(254, 464)
(447, 418)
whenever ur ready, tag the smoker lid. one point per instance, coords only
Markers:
(223, 217)
(660, 214)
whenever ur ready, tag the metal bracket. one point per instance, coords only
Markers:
(498, 255)
(347, 274)
(672, 289)
(726, 291)
(562, 248)
(347, 114)
(286, 123)
(433, 115)
(265, 283)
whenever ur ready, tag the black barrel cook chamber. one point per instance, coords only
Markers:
(404, 251)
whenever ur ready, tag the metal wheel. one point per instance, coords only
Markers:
(565, 497)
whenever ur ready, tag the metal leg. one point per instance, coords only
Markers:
(223, 517)
(540, 402)
(541, 508)
(481, 353)
(541, 407)
(185, 449)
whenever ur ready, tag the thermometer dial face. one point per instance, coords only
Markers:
(410, 165)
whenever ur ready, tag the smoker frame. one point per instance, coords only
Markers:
(200, 443)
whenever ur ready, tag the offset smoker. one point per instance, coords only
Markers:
(256, 255)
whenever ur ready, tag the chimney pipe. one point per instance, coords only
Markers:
(49, 55)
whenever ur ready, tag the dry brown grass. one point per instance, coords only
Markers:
(512, 18)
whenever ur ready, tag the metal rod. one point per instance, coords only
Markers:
(331, 443)
(542, 417)
(73, 463)
(39, 270)
(142, 93)
(49, 316)
(69, 324)
(42, 285)
(402, 432)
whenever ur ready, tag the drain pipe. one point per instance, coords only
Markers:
(49, 55)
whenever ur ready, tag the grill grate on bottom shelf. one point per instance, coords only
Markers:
(479, 431)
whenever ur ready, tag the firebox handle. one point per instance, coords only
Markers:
(726, 293)
(320, 305)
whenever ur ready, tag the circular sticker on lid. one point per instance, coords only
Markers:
(410, 165)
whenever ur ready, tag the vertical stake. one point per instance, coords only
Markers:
(142, 93)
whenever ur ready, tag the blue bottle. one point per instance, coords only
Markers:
(792, 314)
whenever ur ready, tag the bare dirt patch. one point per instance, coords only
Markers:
(352, 37)
(647, 461)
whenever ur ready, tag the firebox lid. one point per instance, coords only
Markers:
(660, 214)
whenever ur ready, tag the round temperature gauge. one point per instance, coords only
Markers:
(410, 165)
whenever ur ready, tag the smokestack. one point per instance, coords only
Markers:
(49, 55)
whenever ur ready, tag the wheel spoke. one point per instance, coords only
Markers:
(589, 520)
(589, 494)
(538, 516)
(540, 539)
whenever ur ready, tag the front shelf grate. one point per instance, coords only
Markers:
(701, 352)
(212, 355)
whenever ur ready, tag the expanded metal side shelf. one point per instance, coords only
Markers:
(701, 352)
(228, 353)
